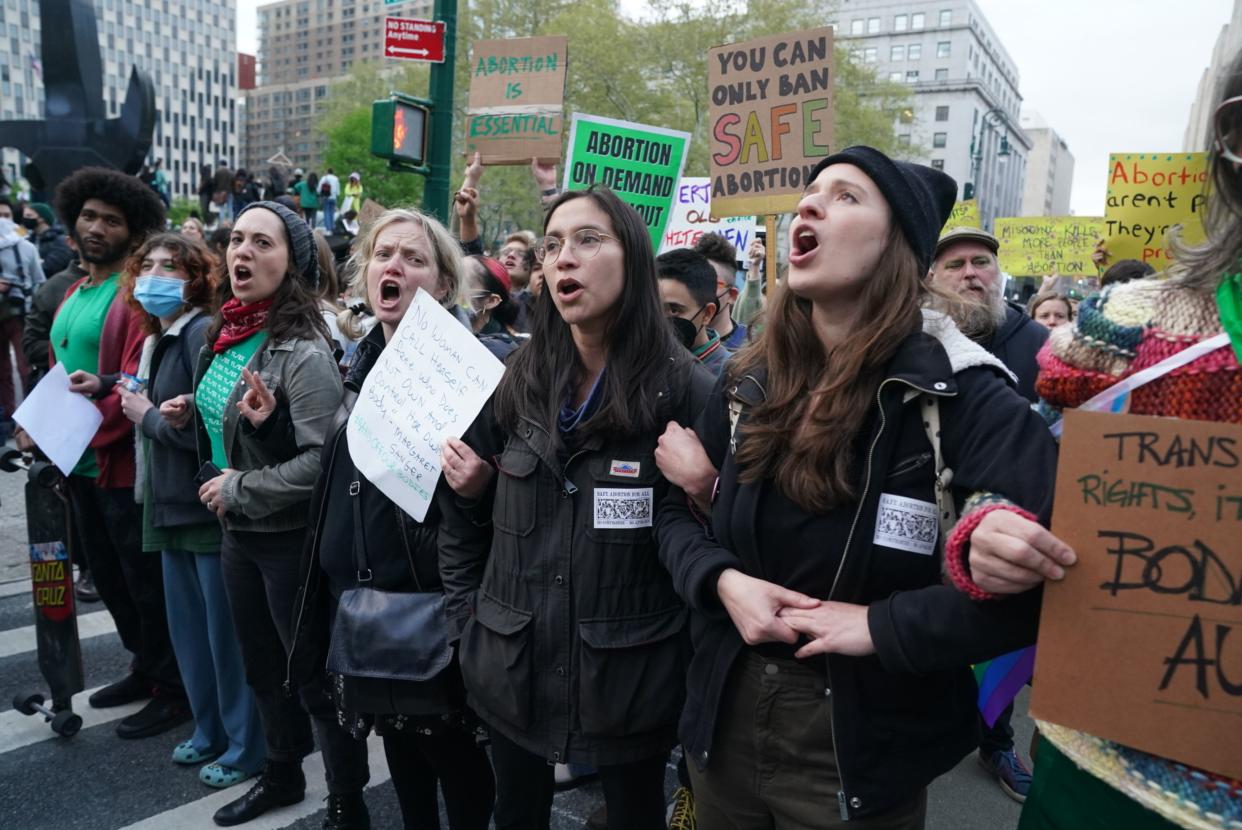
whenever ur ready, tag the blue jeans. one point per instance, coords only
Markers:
(226, 719)
(328, 205)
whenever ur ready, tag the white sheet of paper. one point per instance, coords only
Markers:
(430, 383)
(61, 422)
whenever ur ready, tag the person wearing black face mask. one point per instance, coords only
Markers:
(49, 237)
(688, 293)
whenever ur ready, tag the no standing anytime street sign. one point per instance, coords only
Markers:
(414, 40)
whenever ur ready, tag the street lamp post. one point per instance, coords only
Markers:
(994, 119)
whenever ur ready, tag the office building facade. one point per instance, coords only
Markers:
(1049, 170)
(964, 117)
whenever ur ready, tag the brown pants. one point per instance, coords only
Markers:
(11, 335)
(772, 763)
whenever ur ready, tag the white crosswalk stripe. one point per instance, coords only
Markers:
(18, 730)
(22, 640)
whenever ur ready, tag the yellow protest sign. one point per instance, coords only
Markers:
(1041, 245)
(1148, 195)
(965, 215)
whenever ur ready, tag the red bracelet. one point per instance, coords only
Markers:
(957, 544)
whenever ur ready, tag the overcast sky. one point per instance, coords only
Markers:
(1108, 75)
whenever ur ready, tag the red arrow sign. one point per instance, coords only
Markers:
(414, 40)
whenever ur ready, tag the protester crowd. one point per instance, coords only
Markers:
(773, 531)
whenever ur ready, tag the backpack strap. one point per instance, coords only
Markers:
(946, 510)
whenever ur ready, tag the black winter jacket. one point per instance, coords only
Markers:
(1016, 343)
(54, 251)
(907, 713)
(329, 569)
(174, 452)
(573, 641)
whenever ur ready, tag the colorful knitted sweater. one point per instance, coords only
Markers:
(1121, 331)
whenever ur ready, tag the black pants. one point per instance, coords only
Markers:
(130, 581)
(461, 766)
(999, 736)
(633, 793)
(261, 579)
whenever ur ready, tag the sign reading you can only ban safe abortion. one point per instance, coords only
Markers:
(1149, 194)
(1141, 643)
(770, 119)
(641, 164)
(517, 90)
(431, 381)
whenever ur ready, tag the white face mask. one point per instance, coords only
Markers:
(7, 227)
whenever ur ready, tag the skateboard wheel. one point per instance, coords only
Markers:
(66, 724)
(26, 703)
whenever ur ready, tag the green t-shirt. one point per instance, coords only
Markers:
(212, 394)
(75, 336)
(199, 538)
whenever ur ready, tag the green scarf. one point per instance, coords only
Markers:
(1229, 304)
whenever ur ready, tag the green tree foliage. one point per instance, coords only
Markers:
(652, 70)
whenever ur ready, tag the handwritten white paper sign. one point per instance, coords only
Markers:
(691, 216)
(430, 383)
(61, 422)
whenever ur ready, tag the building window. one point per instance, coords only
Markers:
(901, 22)
(916, 20)
(856, 27)
(870, 54)
(903, 140)
(914, 51)
(942, 113)
(873, 25)
(912, 76)
(942, 74)
(896, 77)
(940, 139)
(937, 164)
(946, 17)
(942, 49)
(897, 53)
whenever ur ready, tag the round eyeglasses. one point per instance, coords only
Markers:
(586, 244)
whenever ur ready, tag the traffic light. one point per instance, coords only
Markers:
(399, 129)
(968, 191)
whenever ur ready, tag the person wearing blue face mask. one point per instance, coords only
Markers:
(170, 277)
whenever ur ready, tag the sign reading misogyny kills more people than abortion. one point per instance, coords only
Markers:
(692, 217)
(1042, 245)
(641, 164)
(517, 92)
(1148, 195)
(430, 383)
(770, 119)
(1141, 643)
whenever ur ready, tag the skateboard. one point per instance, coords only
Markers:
(51, 579)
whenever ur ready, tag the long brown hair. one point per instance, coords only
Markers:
(803, 435)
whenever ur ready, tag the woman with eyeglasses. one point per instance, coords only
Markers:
(573, 641)
(1082, 780)
(491, 310)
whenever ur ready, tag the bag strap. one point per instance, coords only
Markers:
(735, 416)
(946, 509)
(360, 544)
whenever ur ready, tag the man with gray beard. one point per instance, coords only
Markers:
(965, 266)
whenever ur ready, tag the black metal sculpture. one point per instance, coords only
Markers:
(75, 132)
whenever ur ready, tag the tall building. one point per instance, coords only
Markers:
(303, 46)
(964, 117)
(1049, 169)
(1198, 127)
(189, 49)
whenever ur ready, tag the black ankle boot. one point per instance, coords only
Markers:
(280, 784)
(347, 812)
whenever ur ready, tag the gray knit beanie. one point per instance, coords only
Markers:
(301, 241)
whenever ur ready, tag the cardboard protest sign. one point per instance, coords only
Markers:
(517, 90)
(1035, 246)
(640, 164)
(1141, 643)
(371, 210)
(1148, 195)
(770, 119)
(691, 217)
(965, 215)
(431, 381)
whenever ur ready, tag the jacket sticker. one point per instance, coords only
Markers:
(906, 524)
(624, 508)
(625, 469)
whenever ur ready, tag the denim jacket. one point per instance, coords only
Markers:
(276, 472)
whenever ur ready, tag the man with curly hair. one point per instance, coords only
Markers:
(97, 336)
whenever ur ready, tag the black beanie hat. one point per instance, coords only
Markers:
(301, 240)
(921, 198)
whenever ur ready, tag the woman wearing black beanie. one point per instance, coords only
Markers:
(830, 679)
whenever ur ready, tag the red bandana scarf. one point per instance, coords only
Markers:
(240, 321)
